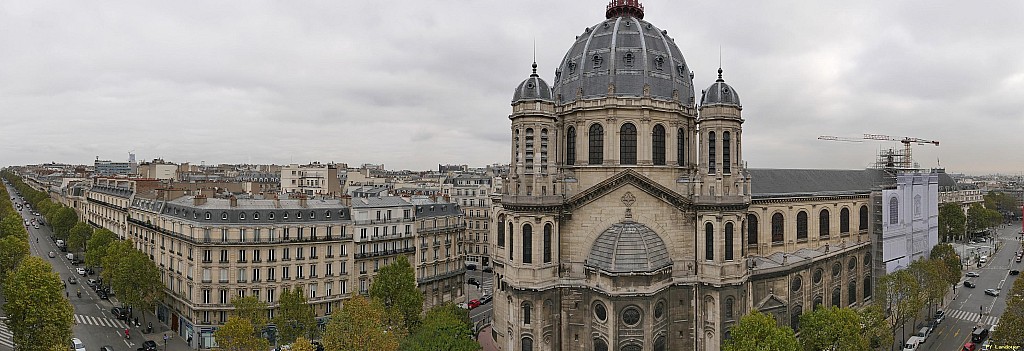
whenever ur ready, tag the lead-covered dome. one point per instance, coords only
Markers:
(720, 93)
(533, 88)
(622, 55)
(628, 247)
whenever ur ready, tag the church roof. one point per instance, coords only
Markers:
(767, 182)
(628, 247)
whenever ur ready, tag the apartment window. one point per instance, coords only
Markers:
(241, 235)
(287, 254)
(207, 257)
(343, 286)
(312, 270)
(241, 292)
(285, 273)
(206, 275)
(312, 291)
(223, 296)
(298, 272)
(223, 235)
(241, 255)
(298, 253)
(270, 255)
(206, 295)
(256, 294)
(312, 252)
(241, 275)
(330, 251)
(256, 255)
(270, 274)
(255, 274)
(270, 298)
(223, 275)
(329, 267)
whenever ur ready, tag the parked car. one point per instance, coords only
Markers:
(488, 269)
(80, 270)
(148, 345)
(969, 347)
(103, 295)
(487, 298)
(77, 345)
(107, 348)
(939, 316)
(968, 284)
(471, 267)
(72, 280)
(1014, 272)
(119, 313)
(91, 282)
(53, 254)
(463, 305)
(472, 281)
(992, 292)
(973, 274)
(474, 303)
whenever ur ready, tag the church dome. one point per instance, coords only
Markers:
(628, 247)
(720, 93)
(533, 88)
(620, 56)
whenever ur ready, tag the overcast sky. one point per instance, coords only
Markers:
(415, 83)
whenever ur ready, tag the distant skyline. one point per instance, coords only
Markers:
(413, 84)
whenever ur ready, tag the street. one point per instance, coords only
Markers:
(481, 315)
(94, 324)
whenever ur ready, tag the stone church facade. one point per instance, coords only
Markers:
(630, 222)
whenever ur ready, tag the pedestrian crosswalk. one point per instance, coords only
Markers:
(973, 317)
(100, 321)
(6, 337)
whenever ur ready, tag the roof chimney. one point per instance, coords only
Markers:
(277, 201)
(233, 200)
(199, 200)
(302, 201)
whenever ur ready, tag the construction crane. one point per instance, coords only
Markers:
(907, 161)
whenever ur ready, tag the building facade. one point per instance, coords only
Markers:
(310, 179)
(472, 193)
(629, 221)
(910, 219)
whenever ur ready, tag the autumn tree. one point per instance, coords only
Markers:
(832, 328)
(360, 326)
(302, 344)
(294, 317)
(947, 255)
(253, 310)
(63, 219)
(1011, 323)
(445, 327)
(952, 221)
(133, 275)
(78, 236)
(900, 295)
(875, 328)
(236, 335)
(38, 314)
(760, 332)
(96, 248)
(13, 249)
(12, 225)
(395, 288)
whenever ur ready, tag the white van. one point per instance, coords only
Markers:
(913, 343)
(983, 259)
(60, 243)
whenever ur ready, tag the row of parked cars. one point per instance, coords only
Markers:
(923, 331)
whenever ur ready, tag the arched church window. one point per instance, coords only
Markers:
(711, 152)
(728, 241)
(794, 317)
(709, 241)
(543, 149)
(547, 243)
(801, 225)
(627, 144)
(726, 150)
(596, 145)
(658, 145)
(751, 229)
(844, 221)
(570, 146)
(852, 291)
(681, 146)
(511, 248)
(528, 161)
(837, 297)
(527, 243)
(824, 219)
(777, 226)
(501, 231)
(894, 210)
(527, 343)
(863, 225)
(526, 312)
(867, 287)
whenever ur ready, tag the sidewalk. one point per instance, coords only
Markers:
(174, 342)
(484, 338)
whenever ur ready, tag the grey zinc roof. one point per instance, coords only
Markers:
(790, 182)
(629, 247)
(533, 88)
(383, 201)
(628, 52)
(720, 93)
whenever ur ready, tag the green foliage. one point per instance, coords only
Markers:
(78, 236)
(953, 268)
(1002, 202)
(445, 327)
(952, 221)
(63, 219)
(96, 247)
(253, 310)
(134, 277)
(236, 335)
(39, 315)
(13, 249)
(395, 287)
(294, 318)
(832, 328)
(302, 344)
(360, 326)
(1011, 323)
(759, 332)
(113, 257)
(900, 294)
(13, 226)
(874, 327)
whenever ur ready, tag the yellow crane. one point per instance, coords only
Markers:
(907, 161)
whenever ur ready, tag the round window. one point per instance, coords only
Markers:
(836, 269)
(817, 276)
(797, 283)
(600, 312)
(659, 310)
(631, 316)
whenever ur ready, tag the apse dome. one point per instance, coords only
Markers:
(628, 247)
(620, 56)
(720, 93)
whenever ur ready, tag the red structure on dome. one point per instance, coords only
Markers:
(624, 8)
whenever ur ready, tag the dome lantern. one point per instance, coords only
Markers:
(624, 8)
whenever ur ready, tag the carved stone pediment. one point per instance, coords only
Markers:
(630, 177)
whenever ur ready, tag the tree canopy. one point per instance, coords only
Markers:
(395, 287)
(133, 275)
(294, 318)
(445, 327)
(945, 254)
(39, 315)
(97, 246)
(63, 219)
(236, 335)
(78, 236)
(13, 249)
(360, 326)
(760, 332)
(253, 310)
(875, 328)
(952, 221)
(832, 328)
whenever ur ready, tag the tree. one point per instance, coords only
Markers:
(1001, 202)
(133, 275)
(360, 326)
(96, 248)
(832, 328)
(63, 219)
(78, 236)
(253, 310)
(1011, 323)
(12, 225)
(236, 335)
(302, 344)
(294, 317)
(445, 327)
(875, 328)
(38, 316)
(947, 255)
(13, 249)
(952, 221)
(900, 295)
(115, 253)
(395, 288)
